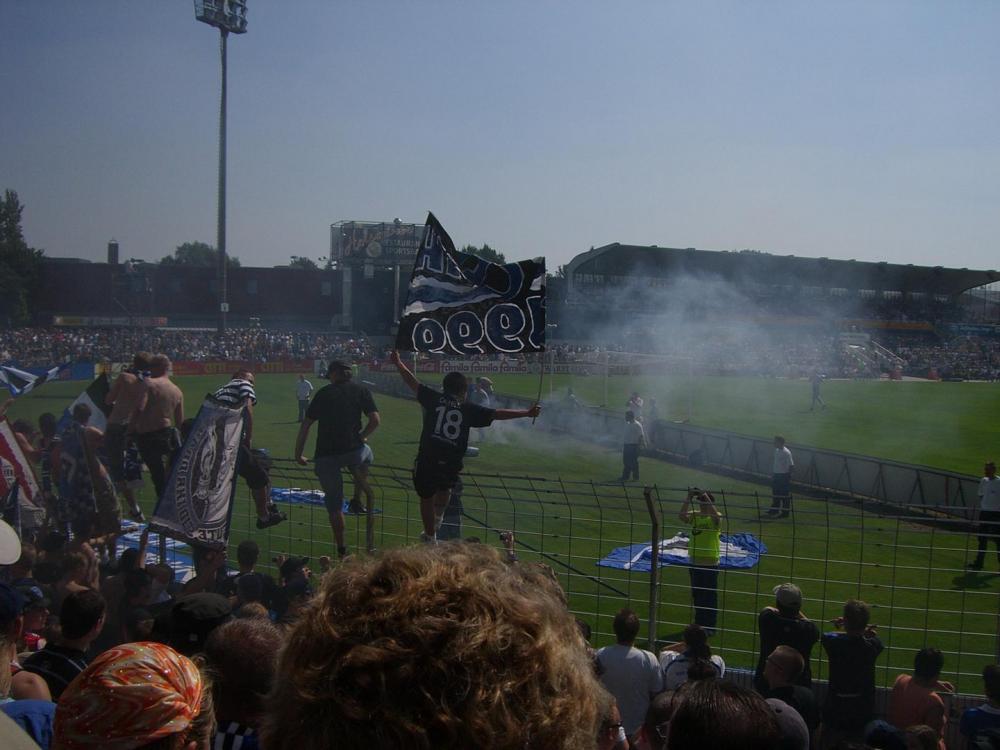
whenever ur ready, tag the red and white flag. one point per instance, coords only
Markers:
(15, 468)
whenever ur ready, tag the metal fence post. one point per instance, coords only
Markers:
(370, 526)
(654, 567)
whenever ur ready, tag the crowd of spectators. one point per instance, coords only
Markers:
(43, 347)
(722, 350)
(432, 646)
(964, 357)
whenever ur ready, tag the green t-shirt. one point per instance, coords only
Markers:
(704, 545)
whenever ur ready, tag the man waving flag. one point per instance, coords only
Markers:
(460, 304)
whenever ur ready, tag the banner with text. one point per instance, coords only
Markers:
(197, 502)
(460, 304)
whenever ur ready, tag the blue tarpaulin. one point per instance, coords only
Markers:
(738, 551)
(178, 553)
(303, 497)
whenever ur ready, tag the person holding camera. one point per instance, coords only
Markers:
(635, 439)
(703, 555)
(851, 652)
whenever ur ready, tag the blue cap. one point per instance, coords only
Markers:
(11, 605)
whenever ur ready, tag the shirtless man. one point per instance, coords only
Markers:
(155, 433)
(124, 397)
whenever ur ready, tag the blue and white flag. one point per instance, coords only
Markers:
(740, 550)
(461, 304)
(197, 503)
(19, 382)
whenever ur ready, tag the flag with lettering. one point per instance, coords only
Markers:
(460, 304)
(197, 502)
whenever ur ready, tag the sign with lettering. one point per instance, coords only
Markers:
(461, 304)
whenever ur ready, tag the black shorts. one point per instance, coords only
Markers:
(431, 477)
(115, 442)
(249, 467)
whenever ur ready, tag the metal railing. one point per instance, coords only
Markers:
(816, 470)
(909, 570)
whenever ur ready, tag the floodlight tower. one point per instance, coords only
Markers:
(227, 16)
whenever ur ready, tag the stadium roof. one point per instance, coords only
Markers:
(751, 266)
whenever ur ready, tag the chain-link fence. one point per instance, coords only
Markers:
(909, 564)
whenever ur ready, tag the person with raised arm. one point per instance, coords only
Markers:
(444, 439)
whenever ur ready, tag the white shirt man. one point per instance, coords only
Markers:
(783, 461)
(781, 480)
(632, 675)
(303, 392)
(989, 489)
(989, 515)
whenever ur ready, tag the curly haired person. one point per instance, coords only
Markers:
(434, 646)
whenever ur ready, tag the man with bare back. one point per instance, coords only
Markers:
(156, 420)
(124, 398)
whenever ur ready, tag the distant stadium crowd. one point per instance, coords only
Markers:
(735, 351)
(42, 347)
(966, 357)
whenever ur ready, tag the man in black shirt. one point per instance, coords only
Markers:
(785, 625)
(851, 655)
(444, 439)
(340, 440)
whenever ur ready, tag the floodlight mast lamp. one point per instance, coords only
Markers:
(227, 16)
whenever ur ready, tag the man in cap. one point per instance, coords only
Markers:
(784, 624)
(341, 441)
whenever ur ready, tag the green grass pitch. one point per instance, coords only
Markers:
(911, 573)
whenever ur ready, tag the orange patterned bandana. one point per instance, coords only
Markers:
(129, 696)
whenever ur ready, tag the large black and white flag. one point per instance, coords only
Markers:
(19, 382)
(197, 502)
(94, 396)
(460, 304)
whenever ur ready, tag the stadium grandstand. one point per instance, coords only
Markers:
(847, 318)
(744, 312)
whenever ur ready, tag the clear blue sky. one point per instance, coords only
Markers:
(866, 130)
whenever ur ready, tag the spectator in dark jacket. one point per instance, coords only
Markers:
(850, 695)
